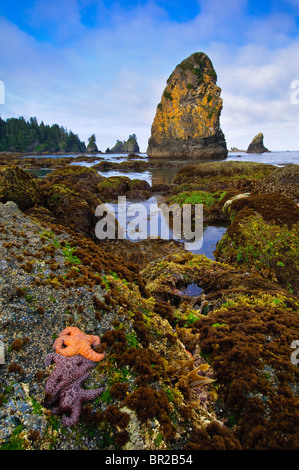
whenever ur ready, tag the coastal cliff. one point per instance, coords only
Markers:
(186, 124)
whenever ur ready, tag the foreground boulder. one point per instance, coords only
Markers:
(245, 326)
(19, 186)
(112, 187)
(186, 124)
(263, 238)
(283, 181)
(222, 175)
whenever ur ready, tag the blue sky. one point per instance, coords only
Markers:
(101, 66)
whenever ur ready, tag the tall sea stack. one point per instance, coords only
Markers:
(186, 124)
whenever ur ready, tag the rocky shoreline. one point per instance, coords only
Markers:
(241, 322)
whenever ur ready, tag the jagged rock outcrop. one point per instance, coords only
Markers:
(257, 144)
(186, 124)
(127, 146)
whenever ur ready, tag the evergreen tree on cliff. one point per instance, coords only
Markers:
(19, 135)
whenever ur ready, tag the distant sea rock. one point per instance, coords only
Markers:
(92, 148)
(127, 146)
(186, 124)
(257, 144)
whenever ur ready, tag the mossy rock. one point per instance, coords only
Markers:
(19, 186)
(71, 209)
(78, 177)
(165, 276)
(139, 189)
(283, 181)
(263, 237)
(114, 186)
(246, 335)
(257, 380)
(274, 208)
(222, 170)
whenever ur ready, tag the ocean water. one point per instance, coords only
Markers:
(211, 234)
(274, 158)
(167, 175)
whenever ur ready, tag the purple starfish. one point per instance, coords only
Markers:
(71, 399)
(67, 370)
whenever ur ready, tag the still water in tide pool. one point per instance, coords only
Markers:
(142, 212)
(211, 234)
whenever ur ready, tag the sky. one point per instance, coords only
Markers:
(100, 67)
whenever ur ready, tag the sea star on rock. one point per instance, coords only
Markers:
(66, 371)
(72, 341)
(71, 399)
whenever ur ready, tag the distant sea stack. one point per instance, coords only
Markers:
(126, 146)
(92, 146)
(257, 144)
(186, 124)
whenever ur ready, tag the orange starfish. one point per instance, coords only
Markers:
(72, 341)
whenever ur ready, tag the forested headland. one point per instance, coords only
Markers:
(19, 135)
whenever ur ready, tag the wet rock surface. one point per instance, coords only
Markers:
(161, 313)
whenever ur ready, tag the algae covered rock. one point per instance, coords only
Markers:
(263, 238)
(79, 177)
(19, 186)
(215, 176)
(186, 124)
(114, 186)
(257, 145)
(283, 181)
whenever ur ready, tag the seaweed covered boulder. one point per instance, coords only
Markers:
(19, 186)
(187, 120)
(263, 237)
(245, 325)
(78, 177)
(283, 181)
(257, 380)
(149, 399)
(215, 185)
(114, 186)
(69, 197)
(222, 175)
(139, 189)
(71, 208)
